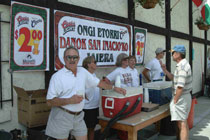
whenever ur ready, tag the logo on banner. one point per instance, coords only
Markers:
(123, 33)
(68, 26)
(29, 60)
(34, 22)
(22, 20)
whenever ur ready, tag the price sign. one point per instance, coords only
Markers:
(29, 37)
(140, 40)
(28, 40)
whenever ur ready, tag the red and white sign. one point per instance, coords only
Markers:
(29, 37)
(140, 44)
(104, 40)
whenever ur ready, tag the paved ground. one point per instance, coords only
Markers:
(201, 129)
(201, 125)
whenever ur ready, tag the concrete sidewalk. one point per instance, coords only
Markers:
(201, 129)
(201, 125)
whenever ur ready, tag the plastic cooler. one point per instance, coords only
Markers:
(160, 92)
(113, 102)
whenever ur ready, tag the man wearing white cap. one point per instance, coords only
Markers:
(154, 68)
(182, 85)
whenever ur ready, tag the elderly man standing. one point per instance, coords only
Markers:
(153, 71)
(182, 79)
(66, 96)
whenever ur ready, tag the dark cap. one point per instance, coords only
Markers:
(159, 50)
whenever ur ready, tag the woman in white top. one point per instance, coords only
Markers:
(122, 71)
(133, 71)
(92, 95)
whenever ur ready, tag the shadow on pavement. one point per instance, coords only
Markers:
(199, 138)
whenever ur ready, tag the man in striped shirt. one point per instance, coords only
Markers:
(182, 84)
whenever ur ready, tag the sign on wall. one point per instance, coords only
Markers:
(140, 44)
(29, 37)
(103, 39)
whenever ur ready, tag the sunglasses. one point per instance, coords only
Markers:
(74, 57)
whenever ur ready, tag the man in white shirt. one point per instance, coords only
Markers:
(133, 71)
(66, 97)
(153, 71)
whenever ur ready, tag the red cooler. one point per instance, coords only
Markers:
(113, 102)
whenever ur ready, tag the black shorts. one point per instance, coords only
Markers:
(91, 117)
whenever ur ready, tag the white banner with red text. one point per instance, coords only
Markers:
(103, 39)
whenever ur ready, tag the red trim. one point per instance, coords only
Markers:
(203, 13)
(197, 2)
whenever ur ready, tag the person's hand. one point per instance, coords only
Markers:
(86, 97)
(160, 61)
(120, 90)
(75, 99)
(175, 100)
(163, 66)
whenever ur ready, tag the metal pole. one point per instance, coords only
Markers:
(0, 68)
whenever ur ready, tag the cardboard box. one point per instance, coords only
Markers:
(32, 107)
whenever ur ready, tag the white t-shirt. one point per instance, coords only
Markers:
(93, 95)
(155, 69)
(135, 76)
(64, 84)
(125, 76)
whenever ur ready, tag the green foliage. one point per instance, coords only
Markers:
(161, 3)
(200, 21)
(142, 2)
